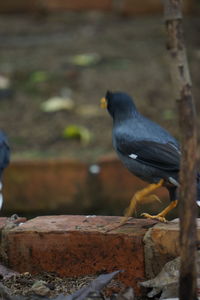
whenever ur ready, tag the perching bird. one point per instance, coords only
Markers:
(4, 160)
(146, 149)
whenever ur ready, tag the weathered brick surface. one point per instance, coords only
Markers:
(79, 245)
(162, 245)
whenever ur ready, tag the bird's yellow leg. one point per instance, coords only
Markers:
(161, 216)
(138, 197)
(151, 198)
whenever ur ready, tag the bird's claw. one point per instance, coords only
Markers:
(156, 217)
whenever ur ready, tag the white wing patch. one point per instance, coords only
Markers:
(133, 156)
(173, 181)
(198, 203)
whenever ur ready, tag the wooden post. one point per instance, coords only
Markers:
(187, 120)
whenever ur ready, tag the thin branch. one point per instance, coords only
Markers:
(187, 120)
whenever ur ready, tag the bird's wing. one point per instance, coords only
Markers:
(162, 156)
(4, 154)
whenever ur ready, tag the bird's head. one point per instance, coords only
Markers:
(119, 105)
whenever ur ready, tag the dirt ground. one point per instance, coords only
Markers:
(49, 285)
(128, 54)
(22, 284)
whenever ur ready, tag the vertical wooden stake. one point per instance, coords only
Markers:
(187, 120)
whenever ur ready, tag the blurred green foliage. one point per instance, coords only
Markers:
(77, 132)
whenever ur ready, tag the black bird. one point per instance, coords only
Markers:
(146, 149)
(4, 159)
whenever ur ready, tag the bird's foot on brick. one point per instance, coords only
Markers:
(142, 196)
(132, 207)
(161, 216)
(156, 217)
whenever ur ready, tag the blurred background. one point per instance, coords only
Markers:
(57, 59)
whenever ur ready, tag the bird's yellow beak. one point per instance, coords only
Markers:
(103, 102)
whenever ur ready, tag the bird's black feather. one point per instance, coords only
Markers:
(4, 152)
(162, 156)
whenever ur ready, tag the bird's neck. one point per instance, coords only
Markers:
(122, 117)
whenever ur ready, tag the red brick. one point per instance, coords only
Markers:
(138, 7)
(61, 184)
(79, 245)
(45, 186)
(5, 225)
